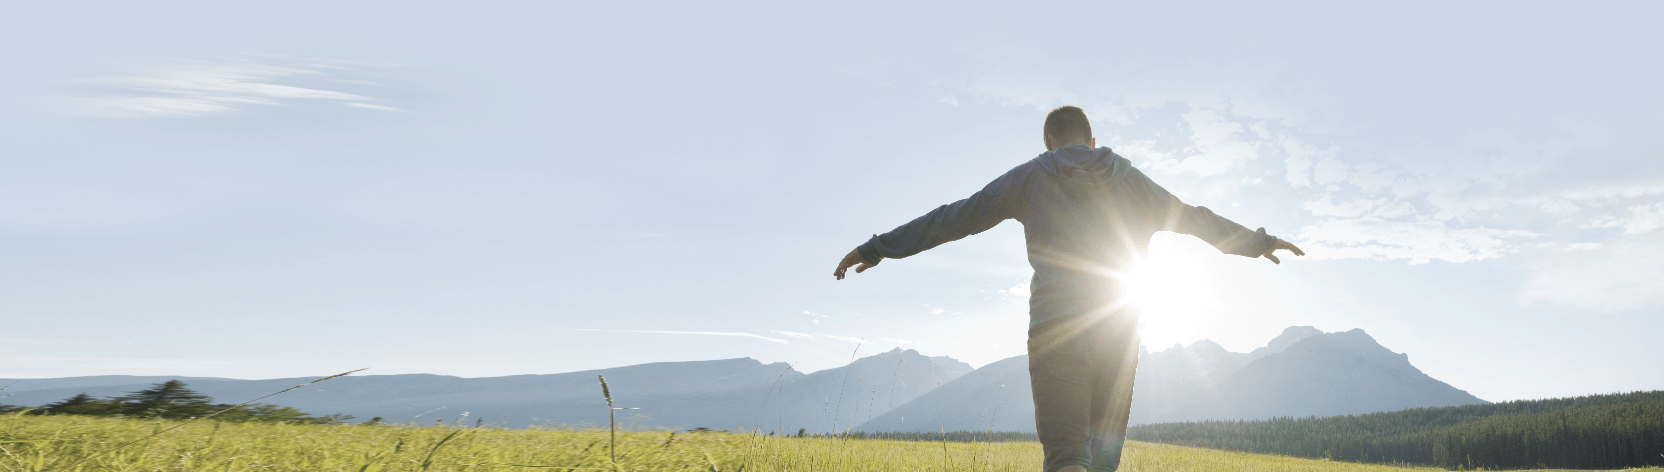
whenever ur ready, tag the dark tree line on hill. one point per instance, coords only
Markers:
(172, 400)
(1593, 432)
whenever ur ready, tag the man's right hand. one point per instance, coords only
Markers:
(851, 259)
(1281, 244)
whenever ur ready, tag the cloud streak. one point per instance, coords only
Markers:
(696, 333)
(188, 90)
(1417, 241)
(834, 337)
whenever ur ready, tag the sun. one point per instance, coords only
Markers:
(1172, 289)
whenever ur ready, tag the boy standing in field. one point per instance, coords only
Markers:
(1087, 216)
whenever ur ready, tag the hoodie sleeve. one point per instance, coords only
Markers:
(997, 202)
(1170, 214)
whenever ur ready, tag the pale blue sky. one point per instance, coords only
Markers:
(266, 191)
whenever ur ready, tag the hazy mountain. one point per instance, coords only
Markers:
(18, 385)
(953, 367)
(839, 399)
(995, 396)
(1291, 335)
(675, 393)
(1182, 383)
(1334, 374)
(1301, 372)
(721, 394)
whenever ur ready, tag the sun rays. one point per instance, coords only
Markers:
(1174, 291)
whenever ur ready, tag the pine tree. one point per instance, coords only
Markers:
(81, 404)
(166, 400)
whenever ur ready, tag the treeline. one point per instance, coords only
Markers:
(172, 400)
(1593, 432)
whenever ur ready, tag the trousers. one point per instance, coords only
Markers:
(1082, 371)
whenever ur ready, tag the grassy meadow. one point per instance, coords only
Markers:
(80, 443)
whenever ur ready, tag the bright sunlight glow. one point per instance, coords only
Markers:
(1174, 288)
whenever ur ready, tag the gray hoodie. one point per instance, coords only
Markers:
(1087, 215)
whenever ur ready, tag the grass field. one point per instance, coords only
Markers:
(73, 443)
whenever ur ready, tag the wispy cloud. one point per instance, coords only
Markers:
(1216, 146)
(1643, 219)
(814, 317)
(211, 88)
(1219, 141)
(1353, 209)
(1416, 241)
(1627, 276)
(696, 333)
(1016, 291)
(373, 107)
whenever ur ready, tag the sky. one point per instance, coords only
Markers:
(262, 191)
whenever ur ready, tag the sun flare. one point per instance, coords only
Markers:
(1171, 288)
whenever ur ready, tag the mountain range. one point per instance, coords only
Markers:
(1302, 372)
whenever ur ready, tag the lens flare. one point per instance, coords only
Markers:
(1172, 291)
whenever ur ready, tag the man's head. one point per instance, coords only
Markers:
(1067, 125)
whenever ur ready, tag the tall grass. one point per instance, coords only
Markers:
(85, 444)
(841, 385)
(53, 443)
(159, 431)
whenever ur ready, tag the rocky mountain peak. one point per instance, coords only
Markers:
(1290, 335)
(953, 367)
(1362, 344)
(1208, 346)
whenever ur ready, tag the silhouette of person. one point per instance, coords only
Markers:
(1087, 216)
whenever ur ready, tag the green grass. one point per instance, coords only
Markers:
(69, 443)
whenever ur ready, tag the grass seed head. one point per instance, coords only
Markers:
(606, 392)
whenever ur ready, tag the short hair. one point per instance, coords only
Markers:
(1068, 124)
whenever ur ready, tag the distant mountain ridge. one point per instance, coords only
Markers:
(1301, 372)
(1340, 373)
(681, 392)
(730, 394)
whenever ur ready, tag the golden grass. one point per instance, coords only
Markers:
(58, 443)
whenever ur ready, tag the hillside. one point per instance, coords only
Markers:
(1598, 431)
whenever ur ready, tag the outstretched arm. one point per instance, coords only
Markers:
(1224, 234)
(983, 210)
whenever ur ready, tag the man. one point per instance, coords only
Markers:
(1087, 216)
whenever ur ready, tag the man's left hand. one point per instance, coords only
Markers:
(852, 259)
(1281, 244)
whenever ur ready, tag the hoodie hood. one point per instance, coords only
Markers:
(1086, 165)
